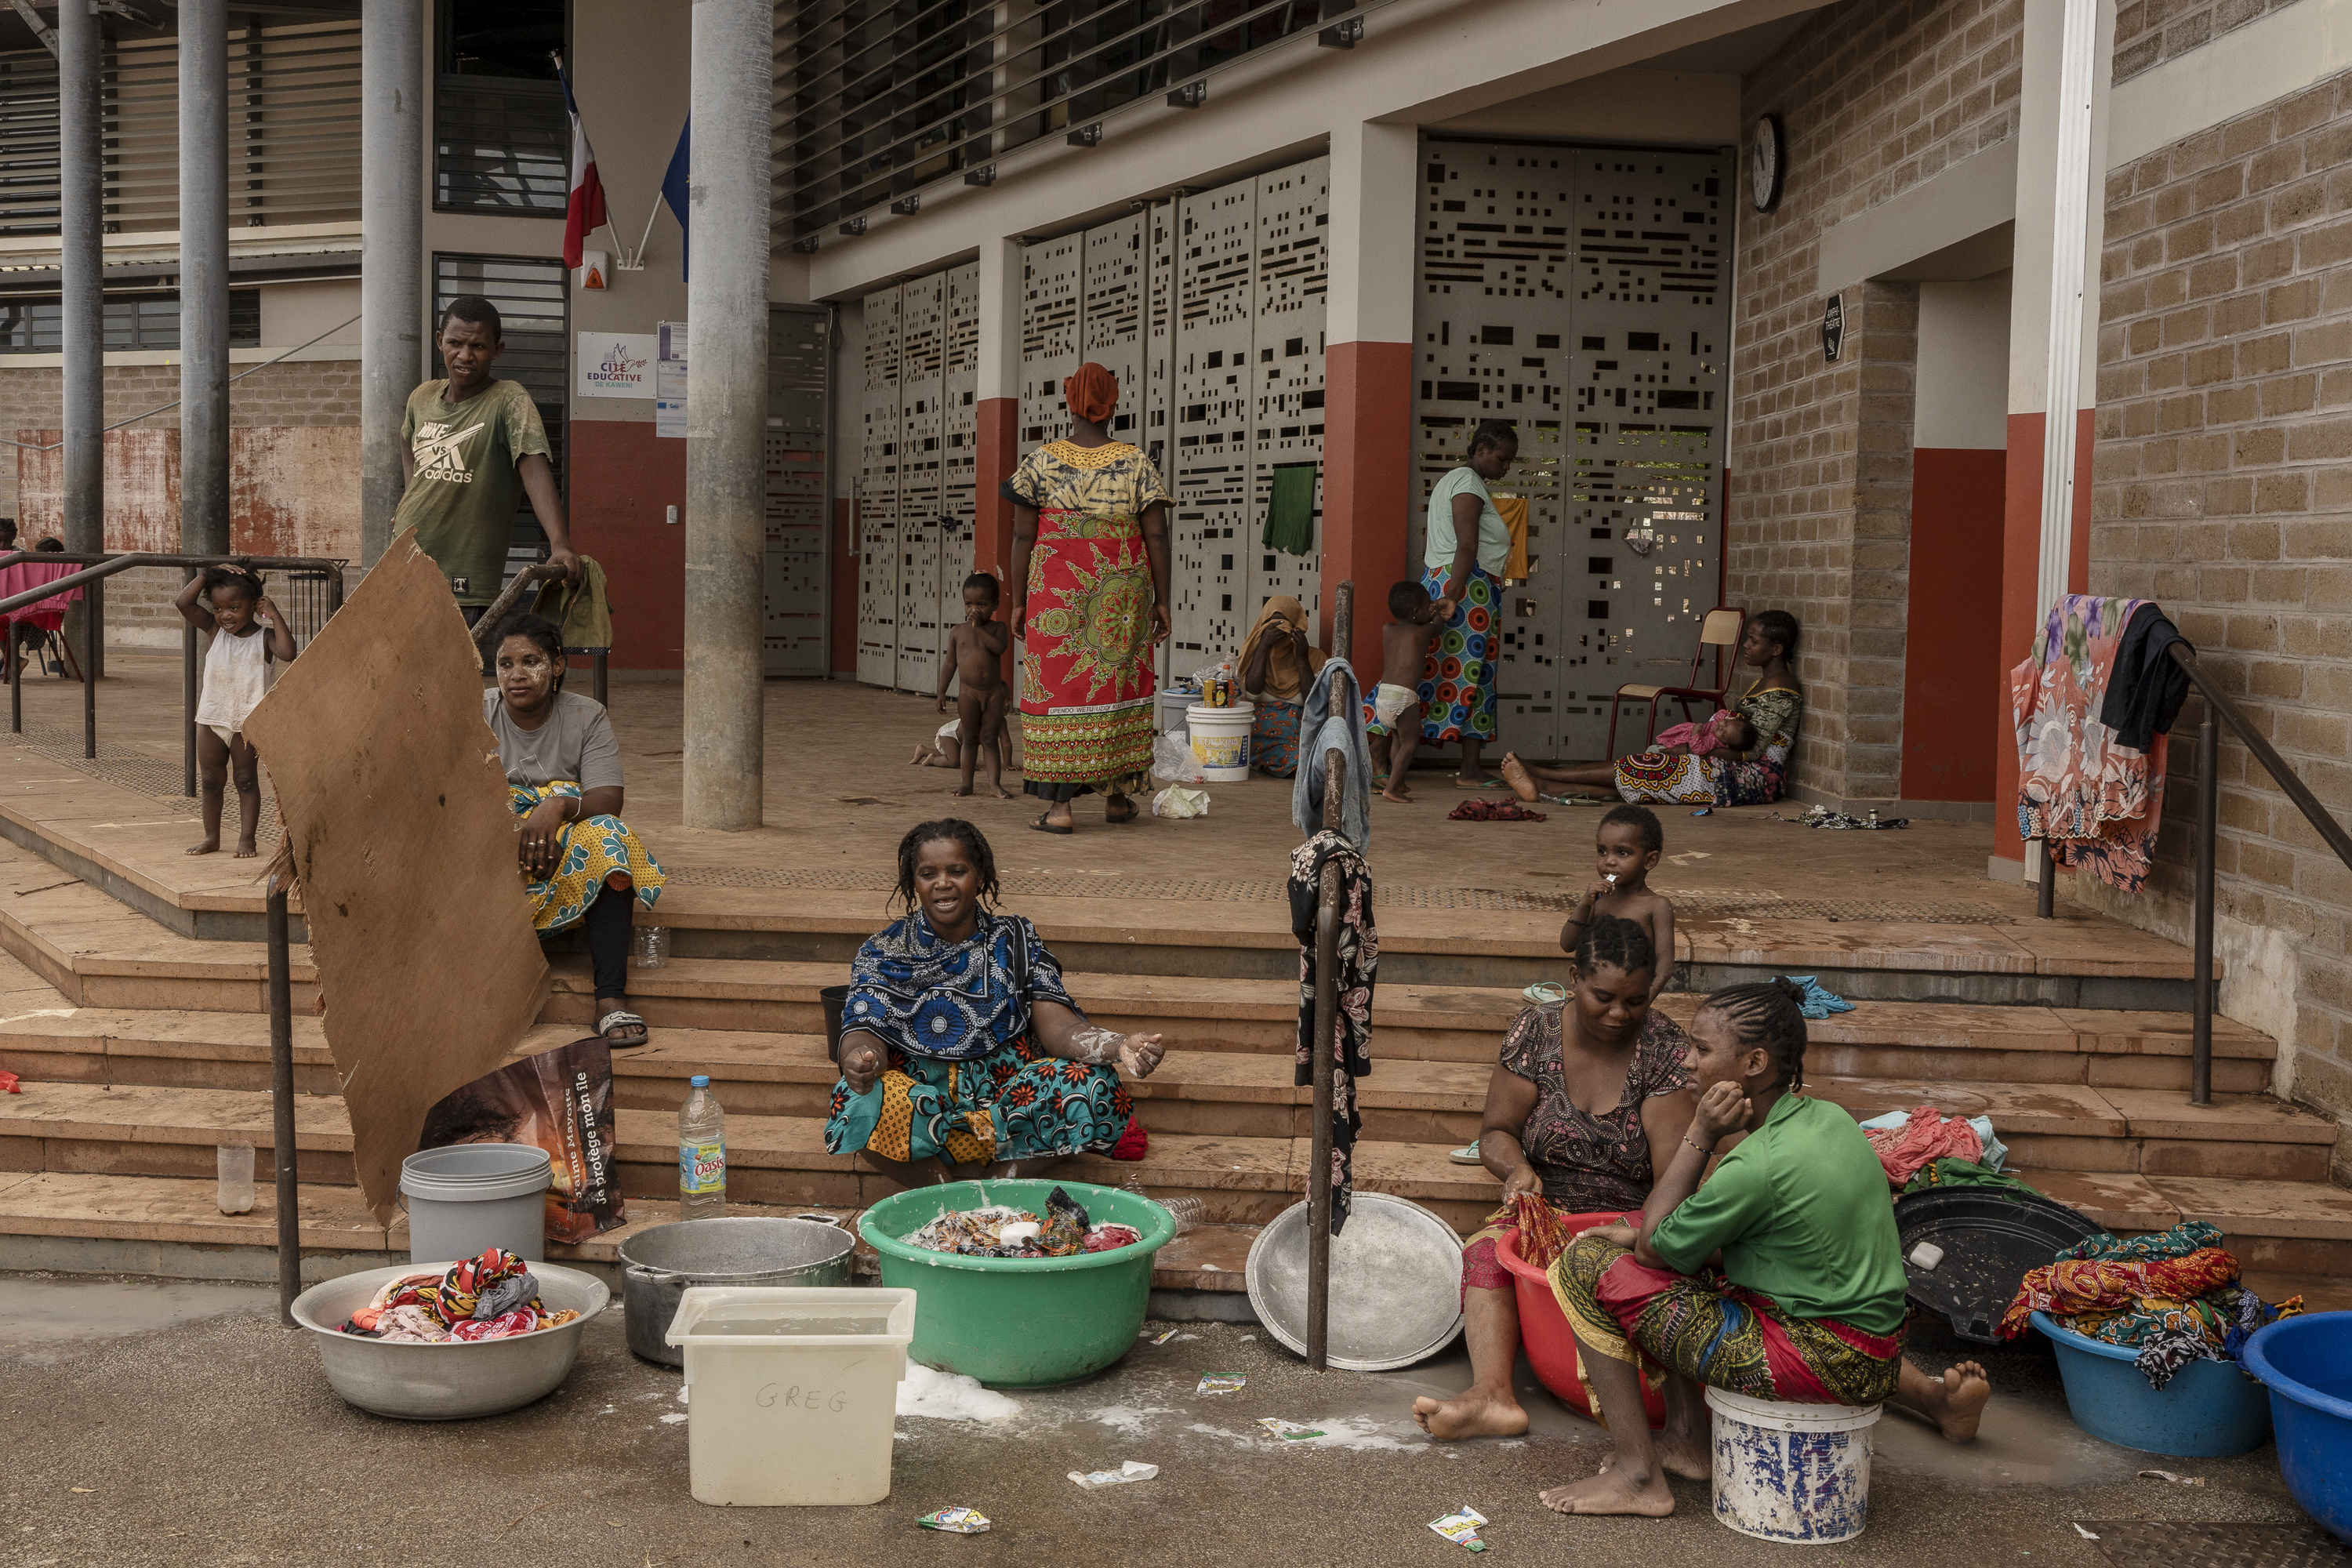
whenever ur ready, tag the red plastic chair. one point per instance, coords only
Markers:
(1722, 631)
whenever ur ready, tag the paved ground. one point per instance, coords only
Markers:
(178, 1424)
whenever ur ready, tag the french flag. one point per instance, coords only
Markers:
(583, 208)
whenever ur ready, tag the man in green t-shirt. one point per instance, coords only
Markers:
(469, 446)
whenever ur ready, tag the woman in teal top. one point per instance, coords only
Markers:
(1462, 563)
(1806, 1303)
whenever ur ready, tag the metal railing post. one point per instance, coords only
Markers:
(281, 1095)
(187, 703)
(1327, 1016)
(93, 619)
(2209, 782)
(2045, 892)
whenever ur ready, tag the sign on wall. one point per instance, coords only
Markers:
(615, 364)
(670, 381)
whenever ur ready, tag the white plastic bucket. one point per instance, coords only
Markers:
(779, 1416)
(469, 1196)
(1220, 740)
(1795, 1473)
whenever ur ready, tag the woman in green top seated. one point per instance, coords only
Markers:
(1781, 1279)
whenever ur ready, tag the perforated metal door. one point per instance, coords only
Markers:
(922, 359)
(794, 521)
(1053, 285)
(878, 495)
(1285, 375)
(961, 453)
(1584, 294)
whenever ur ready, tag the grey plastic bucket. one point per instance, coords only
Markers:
(469, 1196)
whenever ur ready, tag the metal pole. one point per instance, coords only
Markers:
(93, 624)
(188, 704)
(81, 175)
(281, 1099)
(392, 258)
(2209, 790)
(204, 277)
(2045, 892)
(727, 404)
(1327, 1016)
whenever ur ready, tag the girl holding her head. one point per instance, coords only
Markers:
(249, 636)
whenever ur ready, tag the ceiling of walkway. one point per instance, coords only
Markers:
(160, 18)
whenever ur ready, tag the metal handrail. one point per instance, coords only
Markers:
(2218, 704)
(510, 595)
(96, 570)
(1327, 1012)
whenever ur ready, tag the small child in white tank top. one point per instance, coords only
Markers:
(248, 633)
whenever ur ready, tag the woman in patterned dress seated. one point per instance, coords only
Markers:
(1089, 603)
(960, 1045)
(1750, 775)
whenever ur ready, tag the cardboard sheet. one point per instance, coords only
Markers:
(396, 805)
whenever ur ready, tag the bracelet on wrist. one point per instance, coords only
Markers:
(1702, 1148)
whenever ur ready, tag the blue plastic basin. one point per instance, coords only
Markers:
(2307, 1363)
(2209, 1410)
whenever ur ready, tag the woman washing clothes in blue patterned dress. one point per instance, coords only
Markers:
(960, 1045)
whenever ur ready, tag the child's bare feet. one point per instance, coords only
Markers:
(1516, 774)
(1614, 1491)
(1396, 792)
(922, 754)
(210, 845)
(1475, 1412)
(245, 850)
(962, 790)
(1002, 792)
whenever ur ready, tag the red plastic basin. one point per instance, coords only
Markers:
(1544, 1331)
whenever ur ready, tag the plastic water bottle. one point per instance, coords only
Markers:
(1186, 1211)
(701, 1155)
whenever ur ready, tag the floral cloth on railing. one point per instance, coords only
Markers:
(2095, 800)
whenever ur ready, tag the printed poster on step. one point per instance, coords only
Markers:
(615, 364)
(669, 380)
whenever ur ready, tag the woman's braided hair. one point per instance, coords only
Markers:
(959, 831)
(1621, 944)
(1771, 1013)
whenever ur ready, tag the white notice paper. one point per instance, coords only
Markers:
(670, 381)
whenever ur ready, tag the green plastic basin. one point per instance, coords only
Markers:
(1020, 1322)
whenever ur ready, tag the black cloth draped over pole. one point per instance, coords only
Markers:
(1359, 961)
(2146, 690)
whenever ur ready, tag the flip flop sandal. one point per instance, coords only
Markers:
(1042, 825)
(621, 1018)
(1465, 1155)
(1130, 815)
(1490, 784)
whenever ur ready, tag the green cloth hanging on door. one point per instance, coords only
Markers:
(1290, 511)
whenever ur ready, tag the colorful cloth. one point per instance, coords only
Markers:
(1493, 811)
(2094, 800)
(1926, 1136)
(2102, 1275)
(594, 847)
(1013, 1103)
(490, 1297)
(1457, 682)
(2145, 1293)
(1274, 737)
(1543, 1234)
(1715, 1333)
(1359, 961)
(1283, 679)
(1085, 655)
(1730, 775)
(1950, 1173)
(1331, 719)
(955, 1001)
(1589, 1162)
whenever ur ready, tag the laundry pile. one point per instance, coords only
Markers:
(997, 1231)
(1909, 1141)
(1493, 811)
(493, 1297)
(2175, 1297)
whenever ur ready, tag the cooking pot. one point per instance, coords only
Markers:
(658, 1265)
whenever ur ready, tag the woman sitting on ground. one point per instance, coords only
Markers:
(1807, 1303)
(563, 779)
(1605, 1049)
(1277, 669)
(1751, 771)
(960, 1045)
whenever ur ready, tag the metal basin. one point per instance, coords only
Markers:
(446, 1382)
(663, 1262)
(1396, 1283)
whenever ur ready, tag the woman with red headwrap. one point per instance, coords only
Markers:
(1089, 603)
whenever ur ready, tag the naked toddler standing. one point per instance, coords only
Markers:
(975, 661)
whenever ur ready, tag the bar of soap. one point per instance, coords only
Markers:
(1925, 1255)
(1013, 1235)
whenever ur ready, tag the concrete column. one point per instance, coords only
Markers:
(84, 222)
(392, 251)
(997, 401)
(204, 277)
(1368, 491)
(727, 404)
(2061, 200)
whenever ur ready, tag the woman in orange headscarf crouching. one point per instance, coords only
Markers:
(1089, 605)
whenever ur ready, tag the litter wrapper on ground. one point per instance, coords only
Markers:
(1133, 1470)
(1461, 1527)
(1220, 1382)
(1291, 1431)
(955, 1520)
(997, 1231)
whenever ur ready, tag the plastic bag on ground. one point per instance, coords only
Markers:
(1179, 803)
(1172, 758)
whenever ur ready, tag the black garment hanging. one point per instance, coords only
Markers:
(2146, 690)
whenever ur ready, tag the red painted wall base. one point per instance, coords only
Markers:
(1953, 696)
(624, 480)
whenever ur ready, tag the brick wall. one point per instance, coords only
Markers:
(2150, 32)
(138, 603)
(2222, 488)
(1876, 98)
